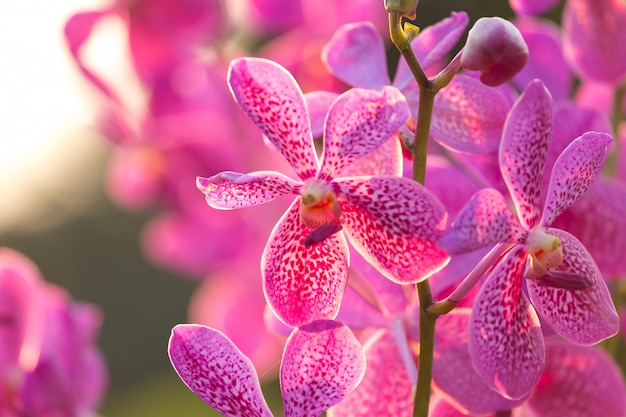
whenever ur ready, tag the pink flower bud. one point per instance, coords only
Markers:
(495, 48)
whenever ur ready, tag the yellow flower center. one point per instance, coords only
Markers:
(319, 205)
(545, 252)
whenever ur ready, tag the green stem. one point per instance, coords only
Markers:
(424, 115)
(426, 351)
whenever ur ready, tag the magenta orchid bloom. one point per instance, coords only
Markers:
(563, 282)
(49, 363)
(322, 363)
(393, 221)
(581, 381)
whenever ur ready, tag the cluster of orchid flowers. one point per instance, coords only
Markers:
(469, 274)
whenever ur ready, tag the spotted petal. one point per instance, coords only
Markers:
(271, 98)
(395, 224)
(356, 55)
(323, 362)
(484, 221)
(594, 219)
(358, 122)
(453, 372)
(586, 316)
(386, 389)
(523, 150)
(578, 381)
(574, 172)
(468, 116)
(216, 371)
(303, 283)
(232, 190)
(593, 38)
(505, 339)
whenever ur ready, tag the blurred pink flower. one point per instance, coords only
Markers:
(50, 365)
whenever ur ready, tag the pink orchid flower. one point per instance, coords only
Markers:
(563, 282)
(581, 381)
(49, 364)
(322, 362)
(393, 221)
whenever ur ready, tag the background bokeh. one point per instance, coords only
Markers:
(53, 206)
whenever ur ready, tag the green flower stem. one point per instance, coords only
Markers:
(424, 115)
(399, 38)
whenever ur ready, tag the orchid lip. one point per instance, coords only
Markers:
(319, 206)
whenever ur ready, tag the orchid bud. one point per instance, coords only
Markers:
(495, 48)
(406, 8)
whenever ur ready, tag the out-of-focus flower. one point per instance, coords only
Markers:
(563, 281)
(593, 39)
(50, 364)
(394, 222)
(322, 363)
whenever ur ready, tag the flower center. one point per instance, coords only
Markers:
(319, 205)
(545, 252)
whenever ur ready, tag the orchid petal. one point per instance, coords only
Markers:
(524, 146)
(505, 339)
(532, 6)
(387, 159)
(585, 316)
(386, 389)
(594, 220)
(440, 407)
(318, 103)
(468, 116)
(484, 221)
(232, 190)
(574, 172)
(570, 121)
(221, 301)
(358, 122)
(593, 38)
(357, 313)
(449, 183)
(356, 55)
(216, 371)
(578, 381)
(545, 59)
(431, 45)
(21, 312)
(272, 99)
(77, 31)
(395, 224)
(323, 362)
(390, 297)
(453, 372)
(303, 283)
